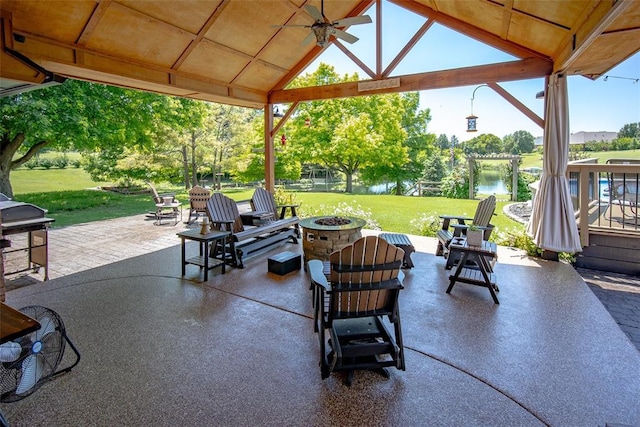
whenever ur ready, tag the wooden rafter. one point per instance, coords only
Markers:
(200, 36)
(585, 33)
(355, 59)
(96, 16)
(519, 105)
(407, 48)
(469, 30)
(528, 68)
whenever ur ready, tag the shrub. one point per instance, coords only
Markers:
(456, 184)
(427, 225)
(516, 237)
(31, 163)
(45, 163)
(61, 162)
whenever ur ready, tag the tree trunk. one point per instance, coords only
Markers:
(398, 187)
(349, 188)
(185, 166)
(194, 166)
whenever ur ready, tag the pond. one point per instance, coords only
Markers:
(491, 182)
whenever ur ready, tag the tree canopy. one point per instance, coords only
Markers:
(77, 115)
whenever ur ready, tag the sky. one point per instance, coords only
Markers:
(594, 105)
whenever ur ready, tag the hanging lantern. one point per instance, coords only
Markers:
(471, 123)
(471, 120)
(283, 140)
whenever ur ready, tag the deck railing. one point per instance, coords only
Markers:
(606, 197)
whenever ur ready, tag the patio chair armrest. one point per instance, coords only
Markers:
(314, 267)
(446, 220)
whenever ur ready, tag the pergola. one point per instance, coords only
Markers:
(230, 51)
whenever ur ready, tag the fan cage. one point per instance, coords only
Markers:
(45, 348)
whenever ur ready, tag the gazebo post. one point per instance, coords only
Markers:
(471, 160)
(514, 179)
(269, 152)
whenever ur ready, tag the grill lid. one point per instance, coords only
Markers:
(12, 211)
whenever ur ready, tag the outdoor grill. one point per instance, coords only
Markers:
(19, 217)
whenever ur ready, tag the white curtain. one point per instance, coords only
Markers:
(553, 225)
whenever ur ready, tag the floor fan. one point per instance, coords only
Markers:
(29, 361)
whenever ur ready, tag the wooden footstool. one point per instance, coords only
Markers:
(403, 242)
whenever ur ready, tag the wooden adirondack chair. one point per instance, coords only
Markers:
(198, 197)
(360, 288)
(264, 201)
(481, 219)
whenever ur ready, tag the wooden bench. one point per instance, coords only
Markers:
(245, 240)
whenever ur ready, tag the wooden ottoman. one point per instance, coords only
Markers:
(403, 242)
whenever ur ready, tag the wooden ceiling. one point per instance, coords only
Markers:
(229, 50)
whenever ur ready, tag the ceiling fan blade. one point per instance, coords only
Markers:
(10, 351)
(309, 39)
(32, 368)
(356, 20)
(345, 36)
(314, 12)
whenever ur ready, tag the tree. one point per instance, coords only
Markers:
(443, 142)
(376, 144)
(630, 130)
(76, 115)
(484, 144)
(518, 142)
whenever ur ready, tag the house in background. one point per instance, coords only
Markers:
(583, 137)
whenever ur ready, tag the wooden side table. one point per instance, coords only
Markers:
(475, 266)
(168, 211)
(14, 323)
(204, 260)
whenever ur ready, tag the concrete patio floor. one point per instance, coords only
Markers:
(160, 349)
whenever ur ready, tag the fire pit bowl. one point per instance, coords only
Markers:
(332, 221)
(325, 234)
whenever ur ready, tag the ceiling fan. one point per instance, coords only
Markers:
(323, 28)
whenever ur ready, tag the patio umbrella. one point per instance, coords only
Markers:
(553, 225)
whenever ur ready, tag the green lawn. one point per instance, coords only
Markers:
(46, 180)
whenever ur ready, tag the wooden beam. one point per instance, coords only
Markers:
(94, 20)
(285, 118)
(507, 71)
(269, 150)
(407, 48)
(72, 61)
(519, 105)
(469, 30)
(203, 31)
(594, 24)
(355, 59)
(379, 39)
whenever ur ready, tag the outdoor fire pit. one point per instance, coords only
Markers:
(325, 234)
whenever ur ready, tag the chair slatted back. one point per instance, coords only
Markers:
(221, 209)
(198, 197)
(159, 198)
(263, 201)
(362, 278)
(624, 185)
(485, 211)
